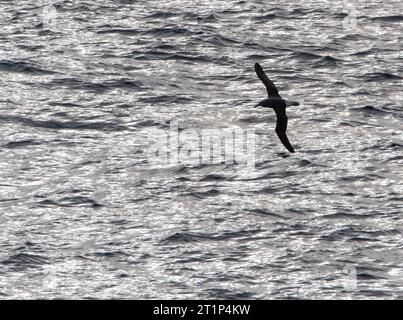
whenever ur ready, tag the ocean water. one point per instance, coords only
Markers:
(90, 89)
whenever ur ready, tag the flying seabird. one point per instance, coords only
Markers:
(278, 104)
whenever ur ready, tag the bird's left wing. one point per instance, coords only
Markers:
(281, 128)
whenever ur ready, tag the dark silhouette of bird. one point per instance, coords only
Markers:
(278, 104)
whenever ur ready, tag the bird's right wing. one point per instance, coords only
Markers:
(281, 128)
(271, 88)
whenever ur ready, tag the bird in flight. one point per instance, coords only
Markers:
(278, 104)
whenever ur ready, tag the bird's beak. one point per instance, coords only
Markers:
(256, 106)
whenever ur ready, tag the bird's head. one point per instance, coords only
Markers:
(260, 104)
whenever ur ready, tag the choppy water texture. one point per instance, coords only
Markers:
(85, 214)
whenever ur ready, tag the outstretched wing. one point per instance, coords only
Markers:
(281, 128)
(271, 88)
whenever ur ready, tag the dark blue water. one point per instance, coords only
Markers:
(88, 87)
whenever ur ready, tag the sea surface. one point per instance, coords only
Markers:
(88, 88)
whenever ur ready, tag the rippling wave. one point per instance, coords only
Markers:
(89, 88)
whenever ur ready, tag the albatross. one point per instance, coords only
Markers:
(278, 104)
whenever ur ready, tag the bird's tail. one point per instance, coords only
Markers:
(289, 103)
